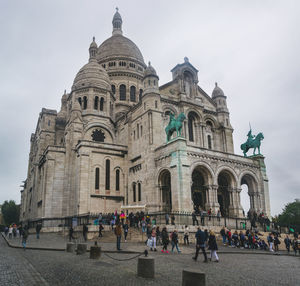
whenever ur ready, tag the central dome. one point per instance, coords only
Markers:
(119, 46)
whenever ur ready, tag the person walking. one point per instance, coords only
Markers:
(295, 245)
(71, 231)
(118, 233)
(84, 231)
(276, 243)
(194, 218)
(10, 231)
(158, 236)
(125, 228)
(153, 238)
(212, 246)
(223, 234)
(172, 219)
(287, 243)
(100, 229)
(165, 240)
(200, 244)
(38, 229)
(186, 235)
(174, 239)
(24, 237)
(202, 217)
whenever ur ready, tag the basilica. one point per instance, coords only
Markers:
(106, 149)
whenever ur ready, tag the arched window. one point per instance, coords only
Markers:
(96, 100)
(139, 192)
(132, 93)
(117, 180)
(97, 178)
(155, 103)
(209, 141)
(191, 120)
(141, 130)
(79, 100)
(113, 89)
(138, 131)
(101, 103)
(107, 175)
(140, 94)
(84, 102)
(134, 192)
(122, 92)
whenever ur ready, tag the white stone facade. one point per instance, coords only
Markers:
(106, 148)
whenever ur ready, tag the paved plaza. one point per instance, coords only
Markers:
(42, 267)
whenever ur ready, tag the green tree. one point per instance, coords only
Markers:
(10, 212)
(290, 214)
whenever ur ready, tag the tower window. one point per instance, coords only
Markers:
(97, 178)
(149, 82)
(79, 100)
(132, 93)
(134, 192)
(139, 192)
(98, 135)
(84, 102)
(117, 180)
(122, 92)
(107, 174)
(140, 94)
(155, 103)
(49, 122)
(209, 141)
(101, 103)
(96, 102)
(113, 89)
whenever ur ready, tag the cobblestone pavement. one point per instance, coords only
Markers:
(35, 267)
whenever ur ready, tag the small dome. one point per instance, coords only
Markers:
(217, 92)
(92, 75)
(150, 71)
(93, 44)
(117, 16)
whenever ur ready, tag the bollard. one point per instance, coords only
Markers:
(70, 247)
(81, 248)
(95, 251)
(145, 267)
(193, 277)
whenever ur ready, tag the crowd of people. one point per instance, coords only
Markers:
(13, 231)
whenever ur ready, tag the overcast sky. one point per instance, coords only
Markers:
(251, 48)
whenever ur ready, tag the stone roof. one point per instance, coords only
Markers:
(119, 46)
(150, 71)
(217, 91)
(91, 75)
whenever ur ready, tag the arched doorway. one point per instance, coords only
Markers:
(198, 190)
(164, 182)
(249, 188)
(225, 183)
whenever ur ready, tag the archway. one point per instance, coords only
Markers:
(200, 181)
(249, 188)
(225, 183)
(164, 181)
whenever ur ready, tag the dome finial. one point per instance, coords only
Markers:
(117, 23)
(93, 49)
(149, 63)
(216, 84)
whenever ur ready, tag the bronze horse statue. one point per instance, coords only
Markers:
(174, 125)
(253, 143)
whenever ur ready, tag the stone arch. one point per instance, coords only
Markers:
(88, 130)
(211, 119)
(193, 119)
(206, 167)
(201, 179)
(164, 183)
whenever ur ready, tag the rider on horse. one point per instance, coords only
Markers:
(250, 137)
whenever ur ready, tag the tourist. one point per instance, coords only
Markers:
(10, 231)
(219, 216)
(118, 233)
(6, 231)
(276, 243)
(153, 239)
(125, 228)
(100, 229)
(122, 217)
(202, 217)
(172, 219)
(100, 217)
(212, 246)
(228, 234)
(194, 218)
(235, 238)
(71, 233)
(200, 238)
(223, 234)
(295, 245)
(158, 236)
(84, 231)
(14, 230)
(242, 240)
(174, 240)
(209, 214)
(167, 218)
(270, 241)
(38, 229)
(287, 243)
(143, 225)
(165, 240)
(25, 237)
(186, 235)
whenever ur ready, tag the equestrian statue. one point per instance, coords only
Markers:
(175, 124)
(252, 142)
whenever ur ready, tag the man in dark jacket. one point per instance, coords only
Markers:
(85, 231)
(38, 229)
(201, 239)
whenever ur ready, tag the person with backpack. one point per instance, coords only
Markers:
(165, 240)
(200, 238)
(174, 240)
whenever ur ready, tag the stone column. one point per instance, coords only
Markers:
(237, 202)
(212, 199)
